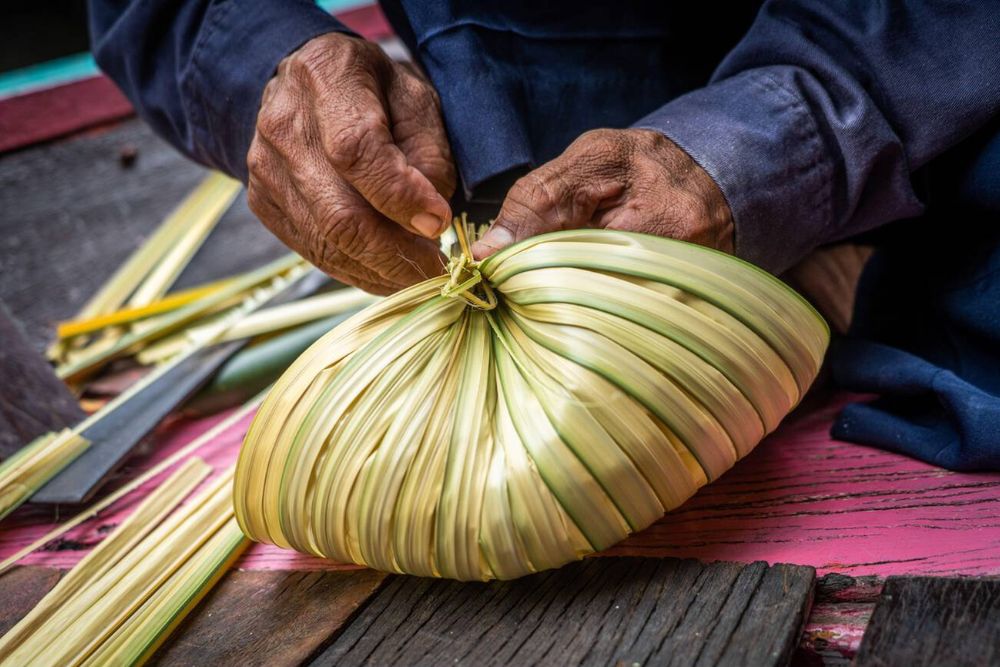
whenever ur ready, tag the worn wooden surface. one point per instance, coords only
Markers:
(925, 621)
(598, 612)
(802, 497)
(70, 214)
(33, 401)
(268, 618)
(250, 618)
(272, 617)
(51, 113)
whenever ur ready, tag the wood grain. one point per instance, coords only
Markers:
(71, 213)
(597, 612)
(33, 401)
(267, 618)
(928, 621)
(250, 618)
(802, 497)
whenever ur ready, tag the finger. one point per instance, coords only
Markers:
(276, 220)
(417, 127)
(333, 227)
(360, 147)
(565, 193)
(276, 202)
(351, 231)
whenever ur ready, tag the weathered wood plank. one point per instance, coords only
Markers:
(72, 211)
(597, 612)
(267, 618)
(33, 401)
(250, 618)
(930, 621)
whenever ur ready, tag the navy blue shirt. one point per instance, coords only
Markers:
(819, 120)
(812, 116)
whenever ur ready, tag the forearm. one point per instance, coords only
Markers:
(195, 69)
(814, 124)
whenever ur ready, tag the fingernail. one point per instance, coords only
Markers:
(427, 224)
(498, 237)
(495, 239)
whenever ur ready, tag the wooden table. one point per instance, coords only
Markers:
(695, 588)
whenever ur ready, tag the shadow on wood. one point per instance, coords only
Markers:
(602, 611)
(33, 401)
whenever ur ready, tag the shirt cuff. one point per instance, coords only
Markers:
(756, 137)
(237, 53)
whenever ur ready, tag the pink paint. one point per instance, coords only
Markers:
(799, 498)
(804, 498)
(836, 628)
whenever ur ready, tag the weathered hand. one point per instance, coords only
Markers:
(350, 165)
(633, 180)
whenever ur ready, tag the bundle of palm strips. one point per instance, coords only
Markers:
(123, 599)
(522, 412)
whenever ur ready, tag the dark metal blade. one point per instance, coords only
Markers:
(121, 430)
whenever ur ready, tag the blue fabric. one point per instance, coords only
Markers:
(814, 123)
(520, 81)
(925, 411)
(926, 329)
(819, 121)
(195, 70)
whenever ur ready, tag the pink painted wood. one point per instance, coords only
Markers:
(842, 607)
(804, 498)
(800, 497)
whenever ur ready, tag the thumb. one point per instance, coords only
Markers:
(562, 194)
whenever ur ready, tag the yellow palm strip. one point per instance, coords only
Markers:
(170, 302)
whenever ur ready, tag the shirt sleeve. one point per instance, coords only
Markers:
(195, 70)
(813, 125)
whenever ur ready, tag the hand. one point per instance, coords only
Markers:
(350, 165)
(632, 180)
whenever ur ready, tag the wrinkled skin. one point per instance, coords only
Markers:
(631, 180)
(350, 165)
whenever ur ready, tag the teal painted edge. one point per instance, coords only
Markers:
(334, 6)
(82, 66)
(47, 74)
